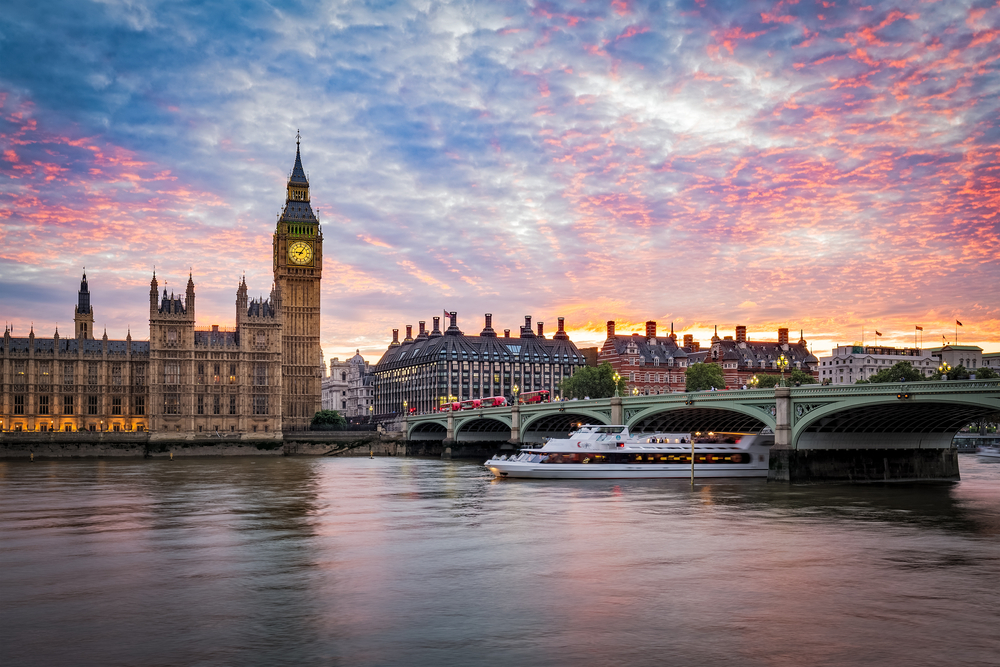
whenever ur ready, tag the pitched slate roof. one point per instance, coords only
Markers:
(751, 353)
(455, 345)
(662, 348)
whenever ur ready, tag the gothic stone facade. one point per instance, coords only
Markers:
(256, 380)
(74, 384)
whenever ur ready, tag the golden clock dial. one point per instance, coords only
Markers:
(300, 252)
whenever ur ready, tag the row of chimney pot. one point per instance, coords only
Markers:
(741, 330)
(487, 331)
(741, 333)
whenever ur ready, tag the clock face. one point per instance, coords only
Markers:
(300, 253)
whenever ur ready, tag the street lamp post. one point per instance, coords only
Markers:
(782, 364)
(635, 391)
(944, 369)
(754, 381)
(515, 389)
(617, 379)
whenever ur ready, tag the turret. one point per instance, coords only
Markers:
(154, 292)
(189, 297)
(83, 316)
(241, 300)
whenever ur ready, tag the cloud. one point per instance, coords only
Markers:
(817, 166)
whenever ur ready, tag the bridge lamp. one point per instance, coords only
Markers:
(782, 364)
(515, 389)
(754, 381)
(617, 378)
(944, 368)
(635, 391)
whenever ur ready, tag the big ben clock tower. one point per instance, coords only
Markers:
(298, 265)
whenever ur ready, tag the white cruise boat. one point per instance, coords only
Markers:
(611, 452)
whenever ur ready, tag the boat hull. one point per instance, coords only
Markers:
(519, 470)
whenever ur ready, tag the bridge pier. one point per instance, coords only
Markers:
(782, 417)
(515, 425)
(617, 415)
(863, 465)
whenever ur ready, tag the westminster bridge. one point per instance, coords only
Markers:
(875, 432)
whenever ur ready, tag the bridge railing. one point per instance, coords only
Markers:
(919, 386)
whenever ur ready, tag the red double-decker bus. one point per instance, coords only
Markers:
(541, 396)
(494, 402)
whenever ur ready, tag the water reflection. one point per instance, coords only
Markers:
(278, 561)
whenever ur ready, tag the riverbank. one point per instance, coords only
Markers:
(77, 445)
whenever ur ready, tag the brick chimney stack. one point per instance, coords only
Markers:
(650, 329)
(561, 333)
(395, 338)
(409, 334)
(541, 329)
(487, 331)
(741, 334)
(611, 328)
(688, 341)
(506, 333)
(783, 336)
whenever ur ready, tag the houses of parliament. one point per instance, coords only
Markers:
(258, 379)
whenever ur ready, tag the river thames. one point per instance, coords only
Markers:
(405, 561)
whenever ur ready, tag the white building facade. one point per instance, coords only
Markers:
(849, 363)
(335, 386)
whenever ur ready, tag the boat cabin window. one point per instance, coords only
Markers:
(610, 429)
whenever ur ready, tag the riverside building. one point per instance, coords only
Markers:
(421, 372)
(254, 380)
(849, 363)
(652, 364)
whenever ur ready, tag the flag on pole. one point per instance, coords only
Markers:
(959, 323)
(878, 333)
(920, 328)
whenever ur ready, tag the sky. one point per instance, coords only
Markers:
(829, 166)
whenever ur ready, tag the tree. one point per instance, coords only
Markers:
(986, 373)
(699, 377)
(592, 382)
(796, 377)
(327, 420)
(902, 371)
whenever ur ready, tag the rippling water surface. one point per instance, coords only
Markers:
(400, 561)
